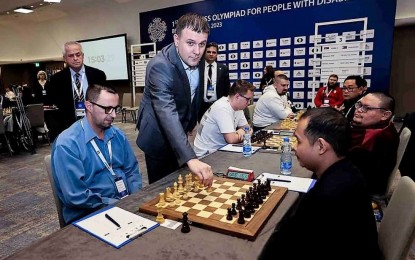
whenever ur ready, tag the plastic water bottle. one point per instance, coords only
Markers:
(286, 158)
(247, 147)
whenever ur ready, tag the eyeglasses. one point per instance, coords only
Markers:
(247, 99)
(109, 109)
(345, 89)
(365, 108)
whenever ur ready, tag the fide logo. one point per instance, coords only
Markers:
(157, 30)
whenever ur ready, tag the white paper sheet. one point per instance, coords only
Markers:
(292, 183)
(236, 148)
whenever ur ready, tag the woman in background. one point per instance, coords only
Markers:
(41, 88)
(268, 77)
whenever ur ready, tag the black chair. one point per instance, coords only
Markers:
(3, 133)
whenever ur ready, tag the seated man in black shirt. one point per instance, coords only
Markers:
(334, 220)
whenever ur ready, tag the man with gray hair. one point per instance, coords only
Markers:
(68, 88)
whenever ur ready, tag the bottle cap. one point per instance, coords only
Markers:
(286, 139)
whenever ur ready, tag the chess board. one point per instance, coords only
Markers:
(274, 141)
(287, 124)
(209, 210)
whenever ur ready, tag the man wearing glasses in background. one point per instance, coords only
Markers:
(273, 105)
(375, 140)
(354, 88)
(223, 123)
(92, 162)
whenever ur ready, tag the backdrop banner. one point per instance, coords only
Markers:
(308, 39)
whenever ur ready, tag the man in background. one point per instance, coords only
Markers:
(171, 102)
(330, 95)
(354, 88)
(68, 88)
(375, 141)
(340, 193)
(92, 161)
(224, 121)
(273, 105)
(215, 78)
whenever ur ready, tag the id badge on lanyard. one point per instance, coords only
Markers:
(80, 108)
(119, 182)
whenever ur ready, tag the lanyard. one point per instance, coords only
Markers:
(101, 156)
(328, 94)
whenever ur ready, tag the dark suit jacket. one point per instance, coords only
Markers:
(222, 84)
(334, 220)
(61, 94)
(222, 81)
(166, 112)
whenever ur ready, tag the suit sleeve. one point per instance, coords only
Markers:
(162, 79)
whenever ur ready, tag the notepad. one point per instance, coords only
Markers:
(292, 183)
(105, 228)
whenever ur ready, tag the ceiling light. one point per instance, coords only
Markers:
(23, 10)
(52, 1)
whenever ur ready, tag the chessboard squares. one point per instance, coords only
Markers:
(220, 200)
(216, 217)
(204, 214)
(199, 196)
(221, 212)
(233, 188)
(182, 209)
(209, 198)
(215, 204)
(225, 196)
(194, 200)
(217, 191)
(227, 183)
(199, 207)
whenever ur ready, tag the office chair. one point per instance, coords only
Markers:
(58, 203)
(396, 231)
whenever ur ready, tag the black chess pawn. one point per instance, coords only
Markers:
(233, 210)
(247, 212)
(268, 184)
(185, 225)
(238, 204)
(229, 215)
(241, 219)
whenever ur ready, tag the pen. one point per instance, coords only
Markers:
(140, 232)
(112, 220)
(280, 180)
(237, 145)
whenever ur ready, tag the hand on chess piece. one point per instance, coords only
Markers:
(185, 225)
(202, 170)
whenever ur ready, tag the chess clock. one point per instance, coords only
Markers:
(240, 174)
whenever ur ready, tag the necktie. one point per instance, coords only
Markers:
(79, 97)
(209, 81)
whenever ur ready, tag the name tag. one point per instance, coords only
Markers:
(122, 191)
(210, 90)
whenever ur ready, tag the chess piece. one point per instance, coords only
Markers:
(233, 210)
(196, 188)
(247, 212)
(185, 225)
(177, 200)
(185, 196)
(169, 196)
(180, 181)
(238, 204)
(241, 219)
(229, 215)
(175, 189)
(209, 189)
(159, 218)
(162, 202)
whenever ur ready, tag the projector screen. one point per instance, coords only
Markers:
(108, 54)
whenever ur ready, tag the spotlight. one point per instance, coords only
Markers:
(23, 10)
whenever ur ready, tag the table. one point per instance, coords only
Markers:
(161, 243)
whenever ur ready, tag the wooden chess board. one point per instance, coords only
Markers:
(209, 210)
(275, 141)
(287, 124)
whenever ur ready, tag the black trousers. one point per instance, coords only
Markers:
(160, 167)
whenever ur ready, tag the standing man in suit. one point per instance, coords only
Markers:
(216, 78)
(68, 87)
(171, 102)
